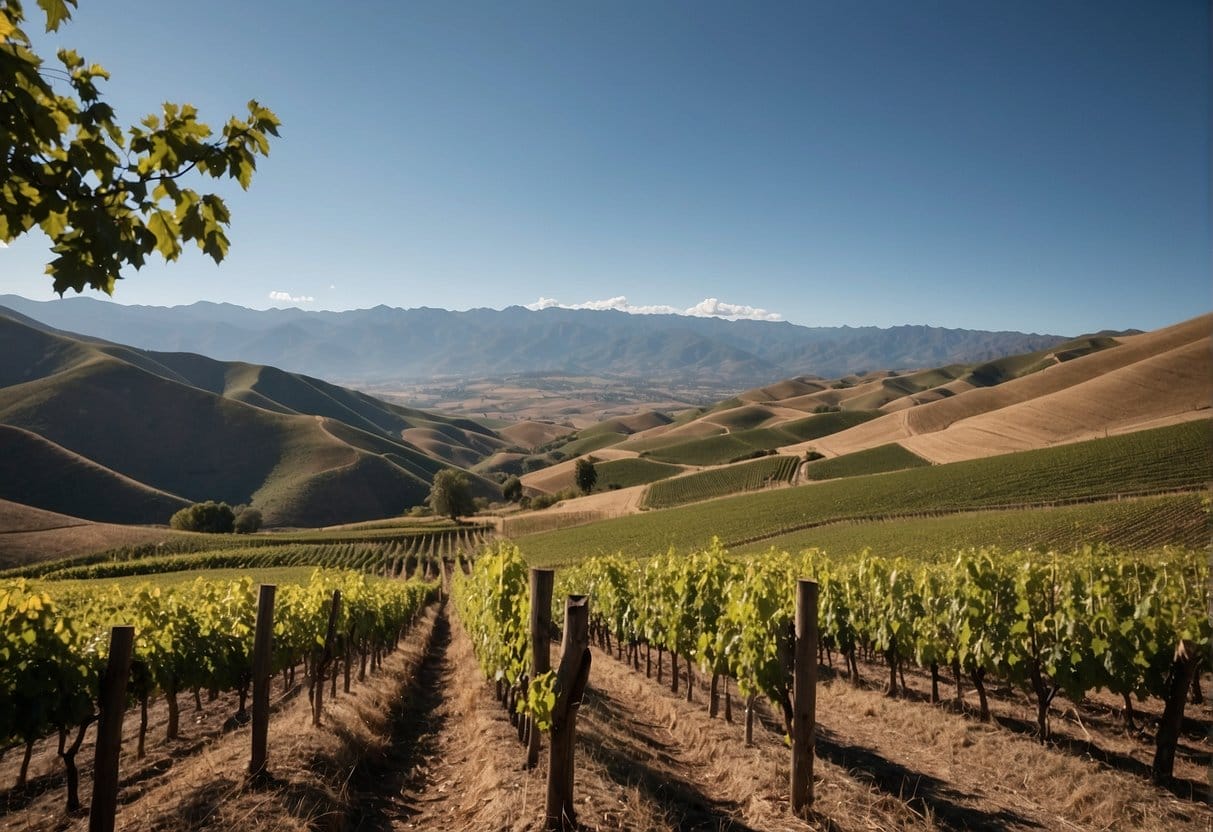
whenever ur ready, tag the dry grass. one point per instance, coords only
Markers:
(1145, 378)
(530, 434)
(893, 763)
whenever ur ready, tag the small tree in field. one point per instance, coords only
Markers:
(586, 474)
(205, 517)
(450, 495)
(511, 489)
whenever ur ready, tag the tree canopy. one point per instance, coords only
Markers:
(210, 516)
(107, 197)
(450, 494)
(586, 475)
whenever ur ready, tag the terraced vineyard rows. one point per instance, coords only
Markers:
(1174, 457)
(1136, 524)
(718, 482)
(400, 558)
(391, 557)
(882, 458)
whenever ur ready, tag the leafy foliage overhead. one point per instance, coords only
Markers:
(107, 197)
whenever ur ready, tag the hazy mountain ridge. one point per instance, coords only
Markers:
(391, 343)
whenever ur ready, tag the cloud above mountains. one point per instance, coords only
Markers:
(706, 308)
(289, 298)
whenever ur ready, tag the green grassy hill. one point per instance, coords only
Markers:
(725, 447)
(1180, 456)
(36, 471)
(303, 451)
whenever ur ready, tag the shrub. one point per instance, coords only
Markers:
(511, 489)
(248, 520)
(205, 517)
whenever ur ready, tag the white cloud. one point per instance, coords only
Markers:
(332, 286)
(3, 244)
(706, 308)
(289, 298)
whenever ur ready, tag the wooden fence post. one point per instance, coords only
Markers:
(263, 647)
(326, 658)
(109, 730)
(571, 678)
(542, 581)
(804, 696)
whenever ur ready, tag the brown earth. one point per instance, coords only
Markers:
(1146, 380)
(530, 434)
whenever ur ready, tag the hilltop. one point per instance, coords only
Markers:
(106, 432)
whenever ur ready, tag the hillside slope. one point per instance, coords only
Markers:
(184, 428)
(1144, 380)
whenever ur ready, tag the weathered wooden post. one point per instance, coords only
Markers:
(804, 696)
(326, 658)
(109, 730)
(571, 678)
(542, 581)
(263, 646)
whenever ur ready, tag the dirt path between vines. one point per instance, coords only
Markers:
(455, 762)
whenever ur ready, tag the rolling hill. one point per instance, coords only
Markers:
(1093, 386)
(112, 433)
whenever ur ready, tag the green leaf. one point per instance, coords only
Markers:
(57, 12)
(165, 228)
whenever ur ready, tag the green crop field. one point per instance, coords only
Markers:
(271, 549)
(1179, 456)
(718, 482)
(878, 460)
(628, 472)
(717, 450)
(1137, 524)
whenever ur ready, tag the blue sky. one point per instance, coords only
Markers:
(1040, 166)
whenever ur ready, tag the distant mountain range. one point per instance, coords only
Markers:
(385, 344)
(112, 433)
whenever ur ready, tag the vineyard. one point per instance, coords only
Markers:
(890, 457)
(1133, 524)
(1177, 457)
(1059, 630)
(718, 482)
(721, 448)
(1134, 625)
(190, 638)
(394, 555)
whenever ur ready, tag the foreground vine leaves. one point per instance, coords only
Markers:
(108, 197)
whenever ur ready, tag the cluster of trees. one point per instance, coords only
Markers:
(216, 518)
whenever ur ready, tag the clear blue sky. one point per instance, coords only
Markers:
(1041, 166)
